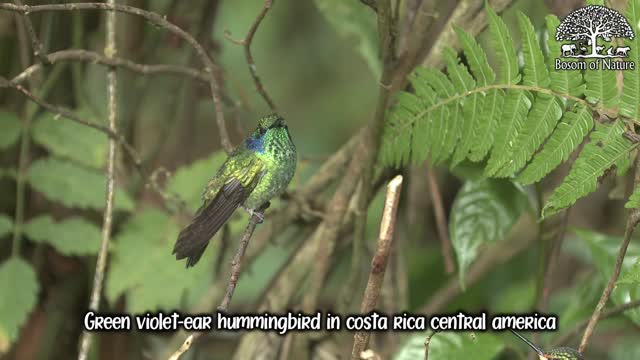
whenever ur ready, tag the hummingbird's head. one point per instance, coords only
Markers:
(271, 129)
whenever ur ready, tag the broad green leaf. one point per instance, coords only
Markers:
(10, 128)
(630, 100)
(535, 70)
(506, 53)
(604, 250)
(159, 282)
(482, 214)
(516, 107)
(73, 185)
(569, 133)
(189, 181)
(351, 19)
(452, 346)
(631, 276)
(71, 140)
(19, 288)
(73, 236)
(476, 58)
(6, 225)
(606, 148)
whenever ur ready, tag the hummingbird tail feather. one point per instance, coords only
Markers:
(194, 238)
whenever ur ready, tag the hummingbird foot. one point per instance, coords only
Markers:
(259, 214)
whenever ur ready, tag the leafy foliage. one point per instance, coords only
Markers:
(159, 282)
(71, 140)
(607, 146)
(629, 104)
(10, 129)
(483, 213)
(452, 346)
(604, 250)
(528, 121)
(73, 236)
(19, 286)
(73, 185)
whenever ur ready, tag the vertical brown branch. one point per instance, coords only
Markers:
(379, 261)
(441, 222)
(101, 263)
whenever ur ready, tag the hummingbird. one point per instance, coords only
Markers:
(561, 353)
(259, 169)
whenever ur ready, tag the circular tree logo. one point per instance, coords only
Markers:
(586, 25)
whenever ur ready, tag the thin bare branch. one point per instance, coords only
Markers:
(236, 267)
(632, 222)
(616, 310)
(66, 113)
(246, 44)
(379, 261)
(36, 44)
(441, 222)
(97, 58)
(156, 19)
(101, 263)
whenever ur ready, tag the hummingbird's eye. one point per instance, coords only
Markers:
(262, 131)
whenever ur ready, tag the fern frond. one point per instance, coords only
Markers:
(443, 135)
(630, 100)
(476, 58)
(516, 107)
(569, 133)
(487, 122)
(396, 139)
(535, 70)
(463, 82)
(606, 148)
(541, 121)
(562, 81)
(506, 53)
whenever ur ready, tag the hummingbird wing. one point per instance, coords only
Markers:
(234, 182)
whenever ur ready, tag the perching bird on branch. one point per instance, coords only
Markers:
(562, 353)
(258, 170)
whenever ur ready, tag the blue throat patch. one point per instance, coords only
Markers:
(255, 144)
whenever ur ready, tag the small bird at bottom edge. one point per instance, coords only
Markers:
(258, 170)
(561, 353)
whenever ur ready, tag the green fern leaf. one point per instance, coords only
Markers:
(600, 87)
(422, 127)
(463, 82)
(396, 145)
(570, 132)
(476, 58)
(606, 148)
(541, 121)
(506, 52)
(535, 70)
(516, 107)
(630, 100)
(487, 121)
(562, 81)
(444, 134)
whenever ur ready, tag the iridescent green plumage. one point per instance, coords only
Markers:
(562, 353)
(254, 173)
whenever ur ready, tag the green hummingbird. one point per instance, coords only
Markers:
(259, 169)
(561, 353)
